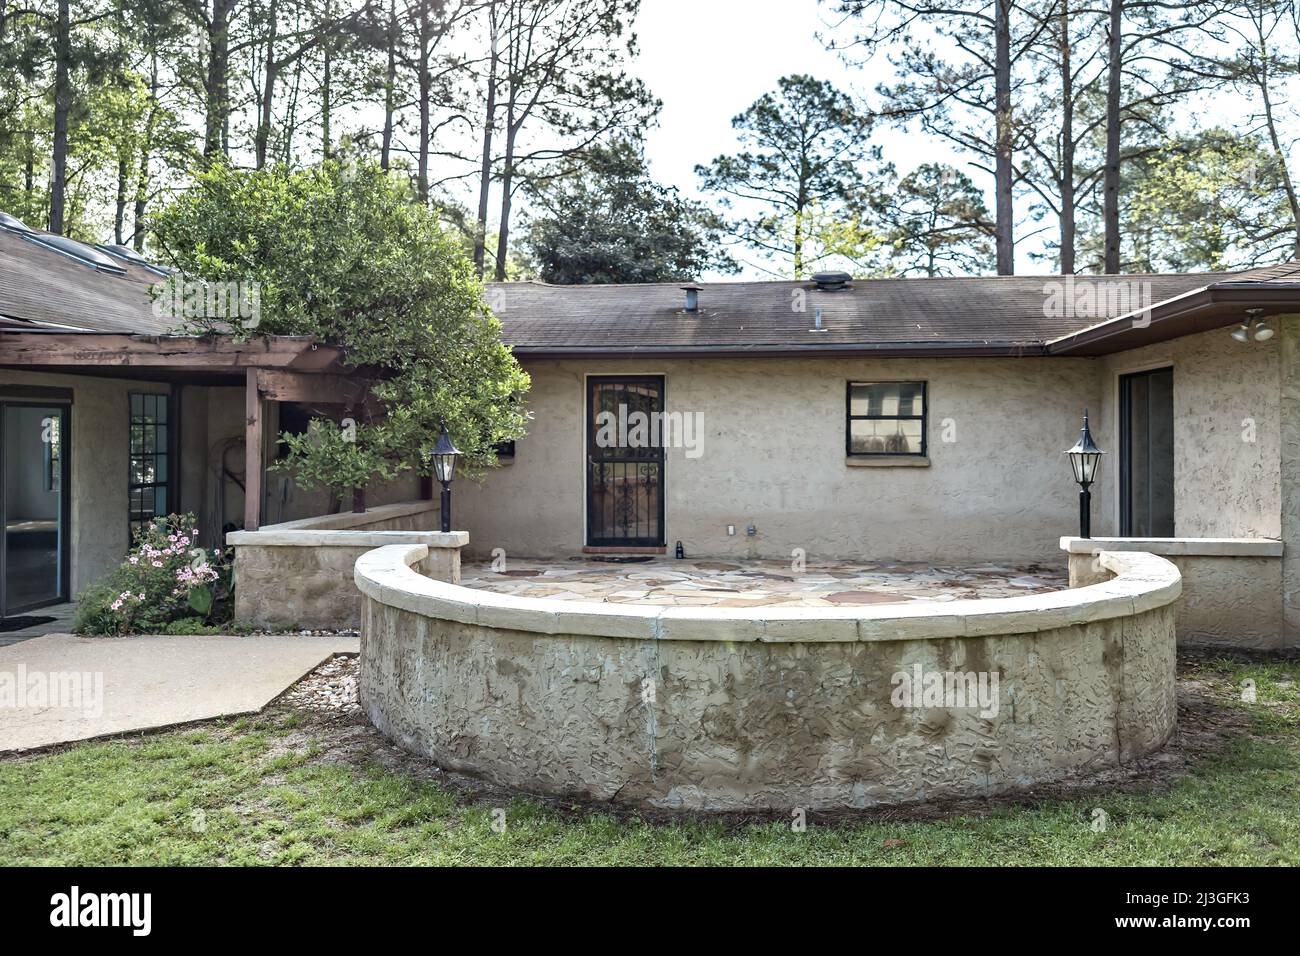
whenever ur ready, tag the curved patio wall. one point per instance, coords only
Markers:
(725, 709)
(1232, 587)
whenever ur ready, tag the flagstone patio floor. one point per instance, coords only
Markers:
(698, 583)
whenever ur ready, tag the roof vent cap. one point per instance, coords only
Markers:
(831, 281)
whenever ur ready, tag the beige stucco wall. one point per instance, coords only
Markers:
(773, 455)
(1227, 440)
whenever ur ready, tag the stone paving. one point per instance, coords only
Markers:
(698, 583)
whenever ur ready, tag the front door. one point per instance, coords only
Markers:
(625, 461)
(34, 505)
(1146, 455)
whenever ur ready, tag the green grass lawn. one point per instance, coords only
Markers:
(275, 790)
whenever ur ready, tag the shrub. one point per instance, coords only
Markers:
(166, 578)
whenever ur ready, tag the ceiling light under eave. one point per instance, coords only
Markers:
(1262, 332)
(1241, 333)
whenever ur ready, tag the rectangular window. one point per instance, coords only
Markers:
(886, 418)
(149, 480)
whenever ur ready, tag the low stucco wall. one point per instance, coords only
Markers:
(299, 574)
(1232, 587)
(725, 709)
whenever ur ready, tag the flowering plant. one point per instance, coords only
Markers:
(167, 576)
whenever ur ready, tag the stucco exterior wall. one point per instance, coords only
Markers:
(1227, 440)
(773, 454)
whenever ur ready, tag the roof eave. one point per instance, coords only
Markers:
(848, 349)
(1211, 307)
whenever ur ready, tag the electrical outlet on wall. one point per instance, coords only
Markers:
(751, 530)
(731, 529)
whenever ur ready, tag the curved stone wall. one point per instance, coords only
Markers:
(725, 709)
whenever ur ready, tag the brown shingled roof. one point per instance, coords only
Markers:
(982, 314)
(40, 288)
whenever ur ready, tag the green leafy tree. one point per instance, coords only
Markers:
(609, 221)
(340, 251)
(1210, 201)
(805, 151)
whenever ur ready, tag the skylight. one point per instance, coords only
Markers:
(13, 224)
(86, 255)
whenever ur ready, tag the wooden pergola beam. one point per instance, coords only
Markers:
(310, 388)
(300, 353)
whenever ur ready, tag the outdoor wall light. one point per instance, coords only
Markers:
(1085, 456)
(444, 456)
(1253, 328)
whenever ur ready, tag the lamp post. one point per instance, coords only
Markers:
(444, 456)
(1084, 458)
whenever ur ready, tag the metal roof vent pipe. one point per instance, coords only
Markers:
(692, 290)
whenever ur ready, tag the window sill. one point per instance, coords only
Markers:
(889, 461)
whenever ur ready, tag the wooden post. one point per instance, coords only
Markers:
(252, 453)
(426, 487)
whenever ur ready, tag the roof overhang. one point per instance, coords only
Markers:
(1214, 306)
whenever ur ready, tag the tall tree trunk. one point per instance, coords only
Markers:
(119, 211)
(1110, 197)
(1003, 169)
(1284, 170)
(326, 89)
(1067, 218)
(62, 106)
(266, 95)
(146, 149)
(485, 164)
(426, 91)
(216, 88)
(507, 186)
(390, 88)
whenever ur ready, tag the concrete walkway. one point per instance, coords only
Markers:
(60, 688)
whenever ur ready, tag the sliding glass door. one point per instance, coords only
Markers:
(34, 506)
(1146, 424)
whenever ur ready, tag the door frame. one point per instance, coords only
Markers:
(1124, 463)
(65, 505)
(584, 422)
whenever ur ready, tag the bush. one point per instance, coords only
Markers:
(167, 580)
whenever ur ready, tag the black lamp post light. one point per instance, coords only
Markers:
(444, 456)
(1085, 456)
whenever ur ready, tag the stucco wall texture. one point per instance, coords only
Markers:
(734, 724)
(997, 486)
(773, 454)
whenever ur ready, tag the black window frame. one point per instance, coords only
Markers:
(168, 452)
(850, 418)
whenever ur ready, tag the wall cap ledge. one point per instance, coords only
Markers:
(1179, 547)
(1141, 580)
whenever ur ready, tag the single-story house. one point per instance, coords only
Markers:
(909, 419)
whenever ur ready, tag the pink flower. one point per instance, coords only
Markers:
(134, 559)
(157, 564)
